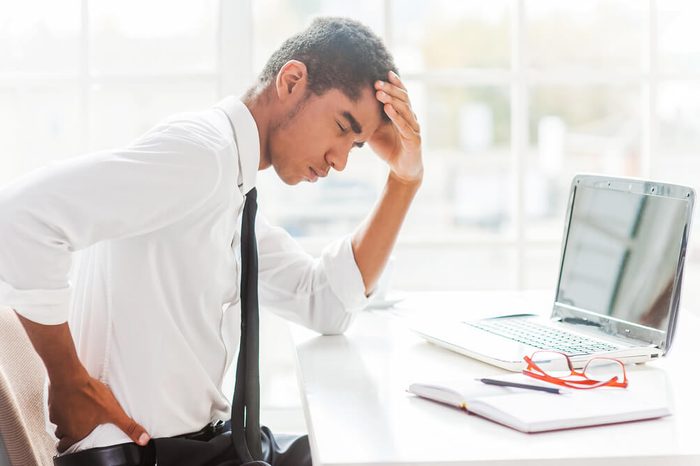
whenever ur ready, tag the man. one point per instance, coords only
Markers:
(155, 305)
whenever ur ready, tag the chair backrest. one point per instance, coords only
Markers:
(22, 376)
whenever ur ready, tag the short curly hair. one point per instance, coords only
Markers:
(339, 53)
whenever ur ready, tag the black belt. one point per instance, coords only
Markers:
(131, 454)
(209, 431)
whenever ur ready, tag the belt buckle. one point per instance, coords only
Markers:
(214, 427)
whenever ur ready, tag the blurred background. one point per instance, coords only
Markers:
(514, 97)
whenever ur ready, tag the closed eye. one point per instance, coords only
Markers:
(344, 130)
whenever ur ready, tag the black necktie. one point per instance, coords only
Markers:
(245, 412)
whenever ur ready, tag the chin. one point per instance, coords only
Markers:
(287, 178)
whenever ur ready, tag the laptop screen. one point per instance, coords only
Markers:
(622, 254)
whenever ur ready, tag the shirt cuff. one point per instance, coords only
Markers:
(343, 275)
(47, 307)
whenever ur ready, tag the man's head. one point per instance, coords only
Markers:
(339, 53)
(321, 86)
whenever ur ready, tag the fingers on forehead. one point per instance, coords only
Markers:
(394, 91)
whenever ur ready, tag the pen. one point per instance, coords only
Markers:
(502, 383)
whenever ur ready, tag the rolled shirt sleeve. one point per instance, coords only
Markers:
(320, 293)
(47, 215)
(344, 277)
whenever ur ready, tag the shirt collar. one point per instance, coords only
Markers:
(245, 134)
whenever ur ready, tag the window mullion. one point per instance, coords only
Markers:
(84, 76)
(650, 95)
(235, 47)
(388, 24)
(519, 137)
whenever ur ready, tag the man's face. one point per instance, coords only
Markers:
(319, 132)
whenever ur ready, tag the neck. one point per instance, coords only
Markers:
(258, 102)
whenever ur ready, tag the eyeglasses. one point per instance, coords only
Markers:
(556, 368)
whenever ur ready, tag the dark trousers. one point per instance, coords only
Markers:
(278, 450)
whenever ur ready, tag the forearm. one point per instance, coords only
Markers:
(374, 240)
(56, 348)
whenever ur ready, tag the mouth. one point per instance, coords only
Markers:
(315, 174)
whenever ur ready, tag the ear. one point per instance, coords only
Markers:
(291, 80)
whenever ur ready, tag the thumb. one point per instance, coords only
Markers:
(134, 430)
(64, 443)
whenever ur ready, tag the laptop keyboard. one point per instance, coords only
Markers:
(528, 332)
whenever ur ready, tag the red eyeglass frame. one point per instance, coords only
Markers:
(534, 371)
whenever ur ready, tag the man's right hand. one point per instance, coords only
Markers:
(77, 402)
(81, 405)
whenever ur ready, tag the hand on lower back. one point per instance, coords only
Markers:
(81, 405)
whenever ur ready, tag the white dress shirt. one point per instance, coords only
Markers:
(154, 303)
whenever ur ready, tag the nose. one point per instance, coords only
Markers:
(338, 159)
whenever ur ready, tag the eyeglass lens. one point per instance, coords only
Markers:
(604, 369)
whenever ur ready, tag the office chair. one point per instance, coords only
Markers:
(22, 377)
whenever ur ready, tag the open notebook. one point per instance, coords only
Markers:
(646, 397)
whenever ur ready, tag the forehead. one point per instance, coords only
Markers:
(366, 110)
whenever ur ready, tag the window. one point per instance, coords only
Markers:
(85, 75)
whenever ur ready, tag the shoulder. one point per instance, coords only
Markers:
(201, 140)
(208, 130)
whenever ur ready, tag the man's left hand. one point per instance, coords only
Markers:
(398, 142)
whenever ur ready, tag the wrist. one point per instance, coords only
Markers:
(64, 384)
(68, 376)
(412, 182)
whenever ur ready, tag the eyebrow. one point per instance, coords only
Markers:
(356, 127)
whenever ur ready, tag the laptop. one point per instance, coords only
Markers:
(619, 282)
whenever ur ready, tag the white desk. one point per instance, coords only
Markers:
(358, 413)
